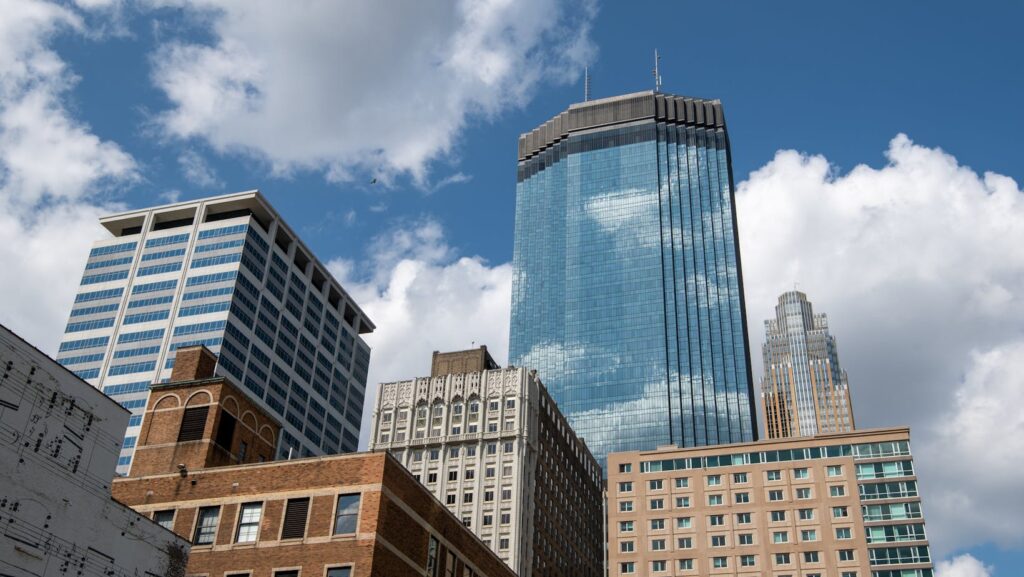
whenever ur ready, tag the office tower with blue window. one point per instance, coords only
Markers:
(228, 273)
(627, 292)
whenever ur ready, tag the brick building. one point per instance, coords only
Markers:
(198, 472)
(494, 447)
(836, 505)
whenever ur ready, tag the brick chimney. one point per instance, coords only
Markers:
(193, 364)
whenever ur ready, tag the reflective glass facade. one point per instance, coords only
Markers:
(627, 294)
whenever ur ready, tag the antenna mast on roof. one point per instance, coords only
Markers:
(657, 71)
(586, 83)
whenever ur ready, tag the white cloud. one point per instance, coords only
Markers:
(374, 87)
(962, 566)
(52, 171)
(196, 170)
(424, 298)
(919, 264)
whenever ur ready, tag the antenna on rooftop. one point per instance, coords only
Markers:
(657, 71)
(586, 83)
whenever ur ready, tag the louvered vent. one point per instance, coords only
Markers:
(193, 421)
(295, 519)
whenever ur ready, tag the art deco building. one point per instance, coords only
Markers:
(199, 471)
(228, 273)
(494, 447)
(804, 389)
(627, 291)
(58, 450)
(837, 505)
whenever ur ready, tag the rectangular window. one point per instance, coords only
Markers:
(683, 523)
(295, 514)
(801, 473)
(165, 519)
(742, 518)
(685, 564)
(657, 566)
(682, 482)
(747, 561)
(810, 556)
(625, 506)
(835, 470)
(714, 500)
(249, 523)
(846, 555)
(626, 487)
(782, 558)
(778, 516)
(657, 524)
(718, 540)
(837, 490)
(682, 502)
(840, 512)
(684, 543)
(714, 480)
(627, 568)
(775, 495)
(657, 504)
(746, 538)
(339, 572)
(720, 562)
(806, 514)
(625, 526)
(717, 520)
(739, 477)
(774, 475)
(808, 535)
(206, 526)
(803, 493)
(625, 468)
(843, 533)
(780, 537)
(655, 485)
(657, 545)
(347, 517)
(626, 547)
(742, 497)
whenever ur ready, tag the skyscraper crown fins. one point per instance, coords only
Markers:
(621, 109)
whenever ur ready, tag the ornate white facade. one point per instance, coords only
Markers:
(475, 440)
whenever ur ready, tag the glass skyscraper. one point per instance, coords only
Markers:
(804, 389)
(228, 273)
(627, 293)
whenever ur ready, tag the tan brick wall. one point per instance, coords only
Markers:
(193, 363)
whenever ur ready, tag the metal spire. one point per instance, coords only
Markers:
(657, 71)
(586, 83)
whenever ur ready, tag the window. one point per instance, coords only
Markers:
(714, 480)
(657, 566)
(717, 520)
(742, 497)
(743, 518)
(295, 513)
(506, 471)
(506, 494)
(626, 547)
(625, 467)
(837, 490)
(803, 493)
(801, 473)
(654, 484)
(453, 475)
(248, 523)
(657, 524)
(449, 499)
(493, 406)
(682, 482)
(339, 572)
(489, 472)
(488, 520)
(739, 477)
(720, 562)
(165, 519)
(849, 574)
(206, 526)
(626, 487)
(503, 543)
(625, 526)
(746, 538)
(846, 555)
(627, 568)
(417, 456)
(453, 452)
(810, 556)
(683, 523)
(492, 448)
(625, 506)
(839, 512)
(714, 500)
(835, 470)
(684, 543)
(778, 516)
(471, 451)
(435, 454)
(508, 446)
(432, 556)
(775, 495)
(193, 421)
(747, 561)
(682, 501)
(506, 518)
(432, 477)
(782, 558)
(686, 564)
(657, 504)
(806, 514)
(657, 545)
(808, 535)
(774, 475)
(780, 537)
(718, 540)
(470, 474)
(843, 533)
(288, 573)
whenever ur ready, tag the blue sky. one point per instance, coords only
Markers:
(916, 256)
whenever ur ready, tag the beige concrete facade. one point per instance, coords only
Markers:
(843, 505)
